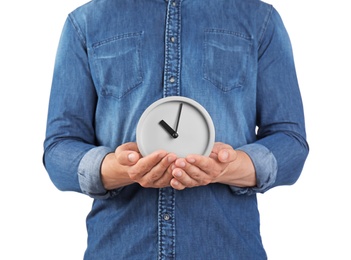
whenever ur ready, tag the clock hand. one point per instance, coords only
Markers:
(179, 112)
(168, 129)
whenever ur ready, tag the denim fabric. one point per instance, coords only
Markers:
(115, 58)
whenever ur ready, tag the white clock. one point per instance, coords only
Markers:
(176, 124)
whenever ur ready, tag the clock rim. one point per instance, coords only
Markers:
(190, 101)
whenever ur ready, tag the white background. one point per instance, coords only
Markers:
(309, 220)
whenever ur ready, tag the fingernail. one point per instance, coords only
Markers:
(131, 157)
(190, 160)
(225, 156)
(178, 174)
(180, 163)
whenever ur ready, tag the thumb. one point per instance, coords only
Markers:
(127, 154)
(128, 158)
(132, 157)
(227, 155)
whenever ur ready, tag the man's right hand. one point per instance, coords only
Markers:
(126, 166)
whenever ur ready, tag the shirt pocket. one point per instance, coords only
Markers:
(117, 62)
(225, 62)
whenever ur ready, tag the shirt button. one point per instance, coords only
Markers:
(173, 39)
(172, 79)
(166, 217)
(174, 3)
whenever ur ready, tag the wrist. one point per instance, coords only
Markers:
(241, 172)
(112, 174)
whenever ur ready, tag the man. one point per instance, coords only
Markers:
(115, 58)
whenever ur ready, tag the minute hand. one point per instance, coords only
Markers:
(179, 113)
(169, 129)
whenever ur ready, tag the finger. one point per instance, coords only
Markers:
(182, 178)
(222, 153)
(127, 158)
(145, 164)
(175, 184)
(202, 162)
(128, 147)
(127, 154)
(227, 155)
(203, 169)
(219, 146)
(161, 169)
(160, 175)
(165, 163)
(190, 175)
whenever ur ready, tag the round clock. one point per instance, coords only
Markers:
(176, 124)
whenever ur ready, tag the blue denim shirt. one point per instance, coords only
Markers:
(115, 58)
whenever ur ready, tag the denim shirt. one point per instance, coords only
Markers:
(115, 58)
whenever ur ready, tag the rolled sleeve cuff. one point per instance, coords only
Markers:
(266, 167)
(89, 173)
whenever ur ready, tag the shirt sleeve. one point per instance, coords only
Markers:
(89, 173)
(281, 148)
(265, 164)
(72, 156)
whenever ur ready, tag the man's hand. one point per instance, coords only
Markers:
(224, 165)
(126, 166)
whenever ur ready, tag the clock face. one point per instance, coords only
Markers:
(176, 124)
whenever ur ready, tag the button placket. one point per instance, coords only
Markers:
(166, 223)
(166, 216)
(172, 50)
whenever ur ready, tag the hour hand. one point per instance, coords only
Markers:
(169, 129)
